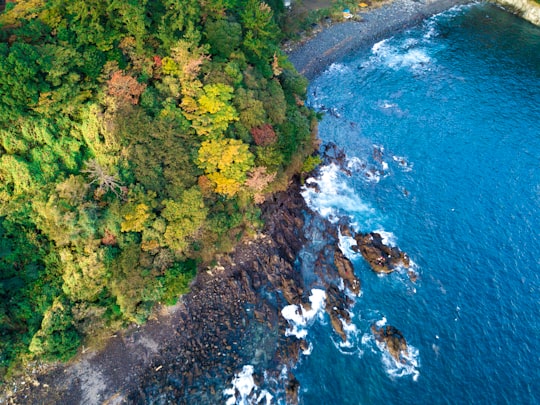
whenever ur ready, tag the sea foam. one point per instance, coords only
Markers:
(300, 318)
(331, 196)
(399, 56)
(395, 369)
(244, 391)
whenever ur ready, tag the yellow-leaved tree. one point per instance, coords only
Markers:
(210, 111)
(226, 163)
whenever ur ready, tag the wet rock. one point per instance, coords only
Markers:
(394, 341)
(345, 230)
(378, 154)
(291, 389)
(382, 258)
(413, 276)
(337, 325)
(333, 154)
(346, 271)
(336, 304)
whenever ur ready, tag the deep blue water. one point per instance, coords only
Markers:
(454, 105)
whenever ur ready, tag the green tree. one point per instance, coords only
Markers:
(224, 36)
(58, 337)
(261, 32)
(184, 218)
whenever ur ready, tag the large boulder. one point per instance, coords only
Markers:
(346, 271)
(381, 257)
(394, 341)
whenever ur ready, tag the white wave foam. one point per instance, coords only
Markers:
(377, 46)
(308, 351)
(397, 369)
(243, 385)
(386, 105)
(356, 164)
(345, 244)
(394, 368)
(330, 195)
(266, 396)
(402, 163)
(373, 176)
(405, 55)
(381, 322)
(338, 68)
(388, 238)
(284, 374)
(431, 29)
(351, 331)
(300, 318)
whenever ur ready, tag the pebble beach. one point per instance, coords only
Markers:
(338, 40)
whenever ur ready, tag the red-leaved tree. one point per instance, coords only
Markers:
(264, 135)
(125, 88)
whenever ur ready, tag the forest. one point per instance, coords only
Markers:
(137, 140)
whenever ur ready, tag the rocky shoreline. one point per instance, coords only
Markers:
(232, 317)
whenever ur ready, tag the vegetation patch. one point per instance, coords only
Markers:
(135, 144)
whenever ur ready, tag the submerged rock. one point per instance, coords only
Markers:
(381, 257)
(394, 341)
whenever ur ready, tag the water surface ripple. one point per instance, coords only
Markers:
(454, 106)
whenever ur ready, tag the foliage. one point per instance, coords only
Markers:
(176, 281)
(136, 140)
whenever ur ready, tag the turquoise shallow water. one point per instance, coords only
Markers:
(454, 107)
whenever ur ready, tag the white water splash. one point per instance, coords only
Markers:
(394, 368)
(403, 164)
(405, 55)
(331, 196)
(300, 318)
(338, 68)
(388, 238)
(345, 244)
(244, 390)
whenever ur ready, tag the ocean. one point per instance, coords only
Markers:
(453, 107)
(441, 128)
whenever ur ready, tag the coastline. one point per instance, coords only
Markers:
(183, 338)
(338, 40)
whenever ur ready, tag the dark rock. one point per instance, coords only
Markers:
(291, 389)
(382, 258)
(336, 304)
(345, 230)
(378, 154)
(346, 271)
(394, 341)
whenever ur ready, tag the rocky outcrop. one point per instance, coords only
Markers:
(381, 257)
(393, 340)
(346, 272)
(526, 9)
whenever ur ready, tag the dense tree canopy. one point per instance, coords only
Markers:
(136, 139)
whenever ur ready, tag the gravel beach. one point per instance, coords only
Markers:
(335, 42)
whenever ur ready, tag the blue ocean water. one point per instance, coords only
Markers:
(452, 111)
